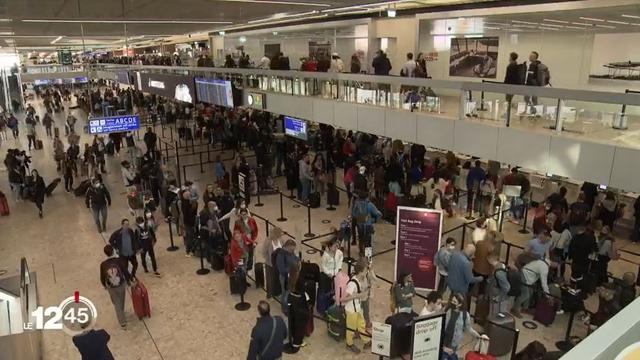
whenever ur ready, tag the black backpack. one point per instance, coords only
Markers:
(515, 281)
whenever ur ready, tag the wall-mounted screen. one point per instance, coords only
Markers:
(256, 100)
(295, 128)
(214, 91)
(175, 87)
(73, 80)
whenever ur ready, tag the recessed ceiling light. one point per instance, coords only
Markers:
(618, 22)
(548, 28)
(584, 24)
(492, 28)
(525, 26)
(575, 27)
(591, 19)
(221, 33)
(605, 26)
(631, 16)
(553, 25)
(242, 39)
(556, 21)
(524, 22)
(275, 33)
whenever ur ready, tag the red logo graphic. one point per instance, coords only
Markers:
(425, 264)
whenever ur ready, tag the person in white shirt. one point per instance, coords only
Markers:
(560, 241)
(409, 68)
(480, 231)
(337, 65)
(332, 259)
(432, 304)
(129, 177)
(265, 63)
(353, 310)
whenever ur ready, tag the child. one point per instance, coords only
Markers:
(219, 169)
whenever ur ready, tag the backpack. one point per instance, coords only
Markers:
(114, 275)
(515, 281)
(544, 75)
(353, 280)
(525, 258)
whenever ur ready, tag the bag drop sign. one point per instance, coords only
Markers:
(105, 125)
(427, 338)
(380, 339)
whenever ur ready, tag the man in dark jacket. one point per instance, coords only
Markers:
(97, 199)
(267, 336)
(125, 242)
(381, 64)
(92, 344)
(533, 79)
(189, 210)
(114, 277)
(582, 245)
(512, 75)
(150, 140)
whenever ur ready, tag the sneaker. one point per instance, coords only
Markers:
(560, 312)
(157, 274)
(188, 255)
(304, 343)
(123, 326)
(354, 349)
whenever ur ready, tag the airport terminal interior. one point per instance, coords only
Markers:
(319, 179)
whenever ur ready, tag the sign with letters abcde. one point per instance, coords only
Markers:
(418, 236)
(427, 337)
(380, 339)
(121, 123)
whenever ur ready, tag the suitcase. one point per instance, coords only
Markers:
(259, 275)
(4, 205)
(401, 333)
(333, 196)
(52, 186)
(39, 145)
(501, 339)
(324, 301)
(140, 299)
(545, 311)
(314, 200)
(308, 328)
(81, 190)
(483, 306)
(56, 132)
(217, 261)
(336, 322)
(472, 355)
(273, 281)
(310, 271)
(237, 283)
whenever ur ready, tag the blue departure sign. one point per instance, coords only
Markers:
(105, 125)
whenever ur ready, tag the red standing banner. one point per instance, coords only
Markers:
(418, 236)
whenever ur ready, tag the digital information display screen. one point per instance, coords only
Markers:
(214, 91)
(295, 127)
(123, 77)
(105, 125)
(73, 80)
(175, 87)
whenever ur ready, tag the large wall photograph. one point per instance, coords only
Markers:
(610, 60)
(474, 57)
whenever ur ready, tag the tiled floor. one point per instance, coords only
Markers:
(192, 316)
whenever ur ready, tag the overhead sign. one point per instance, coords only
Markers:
(256, 100)
(295, 127)
(428, 335)
(65, 57)
(104, 125)
(418, 235)
(380, 339)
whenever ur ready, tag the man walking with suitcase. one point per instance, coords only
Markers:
(114, 277)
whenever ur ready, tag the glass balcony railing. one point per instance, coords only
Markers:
(52, 68)
(600, 116)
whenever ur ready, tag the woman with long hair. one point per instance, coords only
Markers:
(299, 310)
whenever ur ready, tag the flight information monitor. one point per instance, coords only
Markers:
(214, 91)
(295, 127)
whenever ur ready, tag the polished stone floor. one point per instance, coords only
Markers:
(192, 316)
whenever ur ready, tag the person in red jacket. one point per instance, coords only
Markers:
(238, 250)
(248, 229)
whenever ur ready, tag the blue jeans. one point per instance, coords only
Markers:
(283, 296)
(100, 218)
(305, 189)
(189, 239)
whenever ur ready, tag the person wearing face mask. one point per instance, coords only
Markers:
(247, 226)
(125, 242)
(97, 199)
(37, 188)
(146, 237)
(457, 321)
(441, 259)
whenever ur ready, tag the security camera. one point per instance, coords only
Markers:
(449, 28)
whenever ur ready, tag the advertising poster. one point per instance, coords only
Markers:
(418, 234)
(427, 337)
(474, 57)
(175, 87)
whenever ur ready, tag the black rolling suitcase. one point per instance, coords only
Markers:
(259, 275)
(333, 195)
(273, 281)
(52, 186)
(401, 326)
(314, 200)
(501, 337)
(237, 283)
(81, 190)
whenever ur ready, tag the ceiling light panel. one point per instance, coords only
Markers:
(277, 2)
(125, 21)
(524, 22)
(556, 21)
(618, 22)
(631, 16)
(591, 19)
(605, 26)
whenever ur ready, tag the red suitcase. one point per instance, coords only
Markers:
(4, 205)
(472, 355)
(545, 311)
(140, 299)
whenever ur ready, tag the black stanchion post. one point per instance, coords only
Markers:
(566, 345)
(184, 173)
(201, 167)
(464, 234)
(171, 132)
(309, 233)
(172, 247)
(524, 220)
(242, 305)
(178, 166)
(281, 218)
(202, 270)
(506, 260)
(193, 145)
(208, 152)
(258, 177)
(266, 226)
(516, 338)
(331, 188)
(166, 153)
